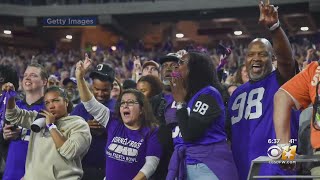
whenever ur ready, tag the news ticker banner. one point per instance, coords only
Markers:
(88, 21)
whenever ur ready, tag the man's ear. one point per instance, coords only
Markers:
(45, 82)
(274, 58)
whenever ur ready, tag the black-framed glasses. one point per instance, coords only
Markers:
(128, 103)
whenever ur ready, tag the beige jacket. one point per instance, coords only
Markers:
(44, 160)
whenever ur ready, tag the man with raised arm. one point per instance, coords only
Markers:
(251, 104)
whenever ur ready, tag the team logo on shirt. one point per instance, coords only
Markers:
(316, 77)
(123, 149)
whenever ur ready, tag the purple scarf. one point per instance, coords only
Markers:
(6, 95)
(217, 157)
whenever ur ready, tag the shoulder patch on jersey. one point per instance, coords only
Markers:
(205, 105)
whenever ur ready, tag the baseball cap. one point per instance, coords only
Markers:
(103, 71)
(173, 56)
(67, 80)
(53, 77)
(150, 63)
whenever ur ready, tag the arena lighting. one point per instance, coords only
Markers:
(69, 37)
(237, 33)
(113, 48)
(304, 28)
(179, 35)
(7, 32)
(94, 48)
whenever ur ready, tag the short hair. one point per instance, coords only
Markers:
(147, 119)
(9, 74)
(63, 94)
(43, 72)
(155, 84)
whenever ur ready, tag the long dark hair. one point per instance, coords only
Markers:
(147, 118)
(202, 73)
(63, 94)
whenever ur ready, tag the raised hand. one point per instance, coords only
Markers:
(268, 14)
(83, 66)
(87, 62)
(7, 87)
(137, 64)
(178, 89)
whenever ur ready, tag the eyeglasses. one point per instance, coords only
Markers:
(128, 103)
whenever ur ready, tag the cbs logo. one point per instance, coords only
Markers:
(274, 152)
(286, 153)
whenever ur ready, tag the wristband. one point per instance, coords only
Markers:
(180, 105)
(275, 26)
(51, 126)
(283, 145)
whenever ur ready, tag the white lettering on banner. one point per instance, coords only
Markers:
(123, 149)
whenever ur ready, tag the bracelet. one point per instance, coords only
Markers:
(275, 26)
(51, 126)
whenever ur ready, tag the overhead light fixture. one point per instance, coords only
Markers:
(69, 37)
(113, 48)
(304, 28)
(179, 35)
(94, 48)
(7, 32)
(237, 33)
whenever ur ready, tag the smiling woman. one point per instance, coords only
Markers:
(132, 150)
(64, 141)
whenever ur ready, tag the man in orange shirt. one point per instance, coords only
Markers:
(298, 93)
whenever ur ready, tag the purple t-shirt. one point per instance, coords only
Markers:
(126, 150)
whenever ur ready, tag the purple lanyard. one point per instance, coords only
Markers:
(6, 95)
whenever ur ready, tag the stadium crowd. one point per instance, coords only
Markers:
(196, 113)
